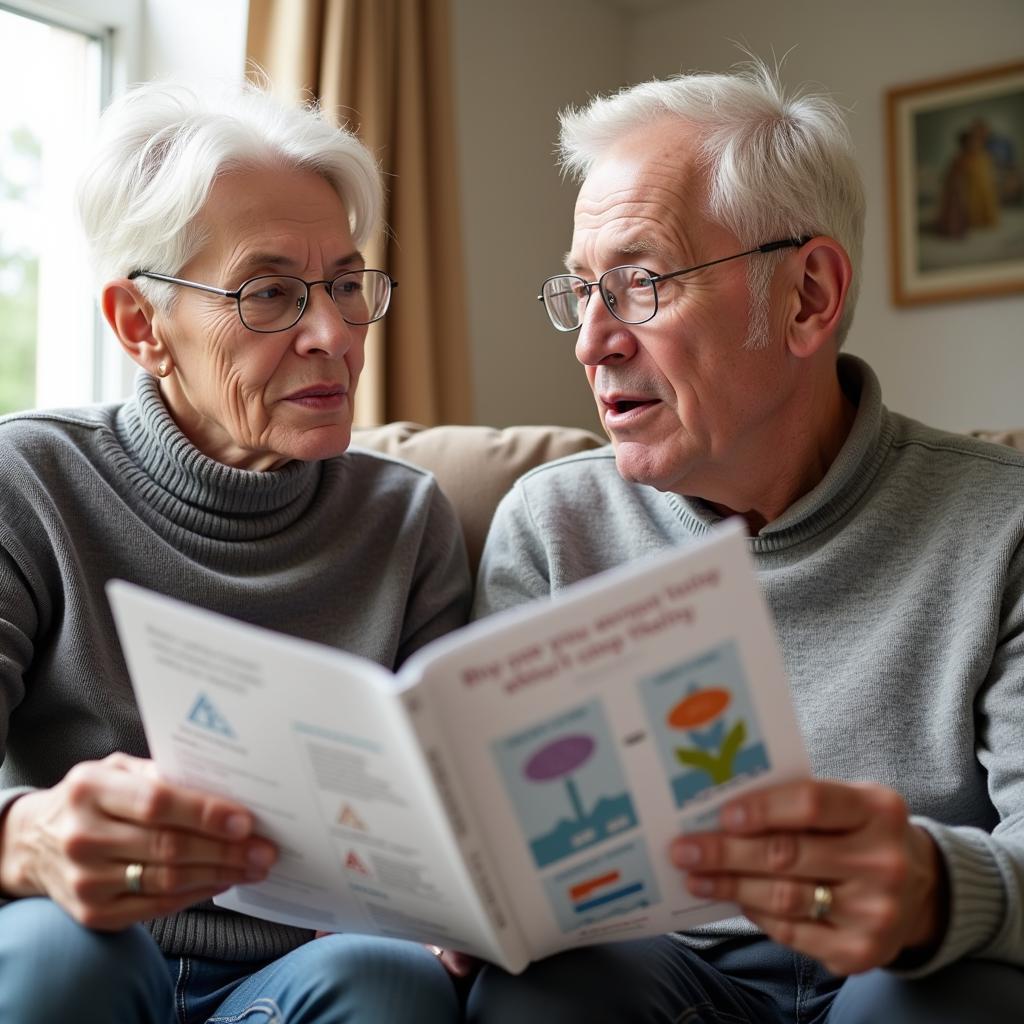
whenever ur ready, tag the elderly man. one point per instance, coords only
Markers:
(711, 280)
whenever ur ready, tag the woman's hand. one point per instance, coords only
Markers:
(833, 870)
(458, 965)
(75, 842)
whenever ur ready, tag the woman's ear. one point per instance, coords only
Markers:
(130, 314)
(819, 296)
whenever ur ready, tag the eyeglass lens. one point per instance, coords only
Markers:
(274, 303)
(628, 292)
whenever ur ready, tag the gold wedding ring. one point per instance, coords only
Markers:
(133, 878)
(821, 903)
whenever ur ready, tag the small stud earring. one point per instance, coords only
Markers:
(163, 369)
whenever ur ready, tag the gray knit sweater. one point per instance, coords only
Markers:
(897, 588)
(360, 552)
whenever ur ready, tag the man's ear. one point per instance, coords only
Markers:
(819, 296)
(130, 314)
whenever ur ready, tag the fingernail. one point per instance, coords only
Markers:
(237, 825)
(734, 817)
(702, 886)
(261, 856)
(686, 854)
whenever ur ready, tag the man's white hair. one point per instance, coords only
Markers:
(162, 145)
(778, 166)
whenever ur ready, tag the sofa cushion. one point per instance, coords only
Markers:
(475, 466)
(1014, 438)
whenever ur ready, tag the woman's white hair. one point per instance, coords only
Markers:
(161, 147)
(778, 166)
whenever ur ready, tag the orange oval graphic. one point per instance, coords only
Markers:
(699, 708)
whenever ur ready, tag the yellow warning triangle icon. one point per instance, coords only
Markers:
(350, 819)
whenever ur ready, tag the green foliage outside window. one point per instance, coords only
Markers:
(19, 271)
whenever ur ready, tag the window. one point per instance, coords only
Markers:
(56, 69)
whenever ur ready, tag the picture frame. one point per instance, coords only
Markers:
(956, 186)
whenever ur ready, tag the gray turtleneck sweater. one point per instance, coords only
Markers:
(360, 552)
(897, 588)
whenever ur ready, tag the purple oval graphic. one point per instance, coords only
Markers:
(558, 758)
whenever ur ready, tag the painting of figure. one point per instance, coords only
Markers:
(957, 170)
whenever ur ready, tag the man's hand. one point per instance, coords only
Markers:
(75, 841)
(779, 844)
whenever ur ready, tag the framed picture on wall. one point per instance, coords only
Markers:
(956, 170)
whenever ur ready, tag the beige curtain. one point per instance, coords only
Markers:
(383, 66)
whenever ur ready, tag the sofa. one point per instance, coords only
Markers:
(475, 466)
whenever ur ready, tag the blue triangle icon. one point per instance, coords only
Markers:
(206, 716)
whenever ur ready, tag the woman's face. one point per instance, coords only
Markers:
(252, 400)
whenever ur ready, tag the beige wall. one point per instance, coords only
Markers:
(956, 365)
(516, 65)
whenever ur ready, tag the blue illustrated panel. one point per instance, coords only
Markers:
(704, 723)
(566, 783)
(616, 881)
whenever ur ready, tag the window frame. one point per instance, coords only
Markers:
(116, 26)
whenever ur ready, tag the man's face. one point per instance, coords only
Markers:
(687, 406)
(254, 400)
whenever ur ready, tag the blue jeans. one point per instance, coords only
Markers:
(52, 970)
(748, 981)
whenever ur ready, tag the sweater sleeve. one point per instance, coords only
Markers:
(986, 869)
(18, 624)
(439, 598)
(514, 567)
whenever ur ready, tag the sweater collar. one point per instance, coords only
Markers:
(845, 480)
(199, 493)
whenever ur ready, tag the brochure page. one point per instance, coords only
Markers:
(317, 744)
(596, 727)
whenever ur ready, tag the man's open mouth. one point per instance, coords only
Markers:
(621, 406)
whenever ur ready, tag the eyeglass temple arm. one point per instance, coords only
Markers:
(786, 243)
(188, 284)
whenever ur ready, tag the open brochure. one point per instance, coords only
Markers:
(513, 790)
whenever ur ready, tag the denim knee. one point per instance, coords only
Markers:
(54, 969)
(351, 979)
(979, 991)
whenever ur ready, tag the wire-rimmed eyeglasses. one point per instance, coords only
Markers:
(276, 302)
(629, 292)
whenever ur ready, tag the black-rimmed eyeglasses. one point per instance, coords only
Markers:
(275, 302)
(629, 292)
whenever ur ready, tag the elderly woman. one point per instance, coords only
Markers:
(228, 233)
